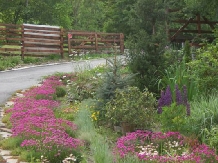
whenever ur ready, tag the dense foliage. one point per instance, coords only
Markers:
(129, 103)
(100, 15)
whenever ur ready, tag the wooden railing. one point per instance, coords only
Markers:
(42, 40)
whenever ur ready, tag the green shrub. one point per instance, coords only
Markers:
(80, 90)
(146, 58)
(173, 118)
(85, 85)
(132, 106)
(204, 68)
(60, 91)
(112, 80)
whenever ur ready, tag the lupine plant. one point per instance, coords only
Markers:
(173, 113)
(161, 147)
(34, 121)
(179, 75)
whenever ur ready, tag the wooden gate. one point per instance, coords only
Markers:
(41, 40)
(192, 28)
(94, 41)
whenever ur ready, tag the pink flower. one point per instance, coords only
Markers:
(34, 121)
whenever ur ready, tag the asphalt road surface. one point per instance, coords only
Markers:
(23, 78)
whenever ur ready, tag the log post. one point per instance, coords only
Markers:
(199, 24)
(22, 42)
(96, 42)
(121, 43)
(69, 36)
(62, 42)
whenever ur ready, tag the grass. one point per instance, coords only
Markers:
(204, 113)
(9, 62)
(99, 148)
(11, 143)
(91, 56)
(6, 120)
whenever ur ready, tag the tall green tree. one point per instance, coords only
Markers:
(118, 15)
(203, 7)
(53, 12)
(12, 11)
(147, 41)
(88, 15)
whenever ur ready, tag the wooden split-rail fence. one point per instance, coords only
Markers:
(42, 40)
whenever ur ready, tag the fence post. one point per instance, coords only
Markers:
(69, 36)
(62, 43)
(96, 42)
(121, 43)
(22, 42)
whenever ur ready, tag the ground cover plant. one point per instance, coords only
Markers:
(163, 147)
(38, 130)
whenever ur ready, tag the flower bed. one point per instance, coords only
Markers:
(33, 120)
(163, 147)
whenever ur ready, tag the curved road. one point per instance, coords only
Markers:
(13, 80)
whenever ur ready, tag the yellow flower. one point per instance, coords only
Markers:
(94, 116)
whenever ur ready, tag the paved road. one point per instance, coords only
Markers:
(13, 80)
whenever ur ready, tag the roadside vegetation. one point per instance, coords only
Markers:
(159, 105)
(100, 115)
(10, 62)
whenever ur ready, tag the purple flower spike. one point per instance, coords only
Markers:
(168, 97)
(179, 99)
(165, 99)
